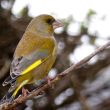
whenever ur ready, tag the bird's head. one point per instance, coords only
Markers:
(44, 25)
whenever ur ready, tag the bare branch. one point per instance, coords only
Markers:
(21, 99)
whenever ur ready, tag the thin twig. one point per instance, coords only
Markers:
(8, 106)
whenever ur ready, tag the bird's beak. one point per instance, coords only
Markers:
(57, 24)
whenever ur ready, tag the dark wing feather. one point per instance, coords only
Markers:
(20, 64)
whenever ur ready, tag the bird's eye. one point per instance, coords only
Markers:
(50, 21)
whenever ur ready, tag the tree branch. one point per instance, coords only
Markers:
(8, 106)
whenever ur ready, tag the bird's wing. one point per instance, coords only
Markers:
(23, 65)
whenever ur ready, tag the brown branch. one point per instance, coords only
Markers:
(8, 106)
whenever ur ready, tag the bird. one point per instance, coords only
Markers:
(34, 55)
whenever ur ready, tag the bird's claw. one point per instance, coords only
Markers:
(25, 92)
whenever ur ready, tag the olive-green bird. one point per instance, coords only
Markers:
(34, 55)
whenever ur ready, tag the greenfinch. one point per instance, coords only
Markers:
(34, 55)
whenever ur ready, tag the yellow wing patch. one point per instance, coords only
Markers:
(34, 65)
(20, 86)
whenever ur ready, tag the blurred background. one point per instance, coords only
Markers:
(86, 27)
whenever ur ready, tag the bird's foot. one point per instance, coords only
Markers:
(25, 92)
(49, 82)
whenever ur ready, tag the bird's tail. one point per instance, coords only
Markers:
(12, 92)
(8, 80)
(8, 96)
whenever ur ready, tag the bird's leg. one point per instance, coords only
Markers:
(25, 92)
(49, 82)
